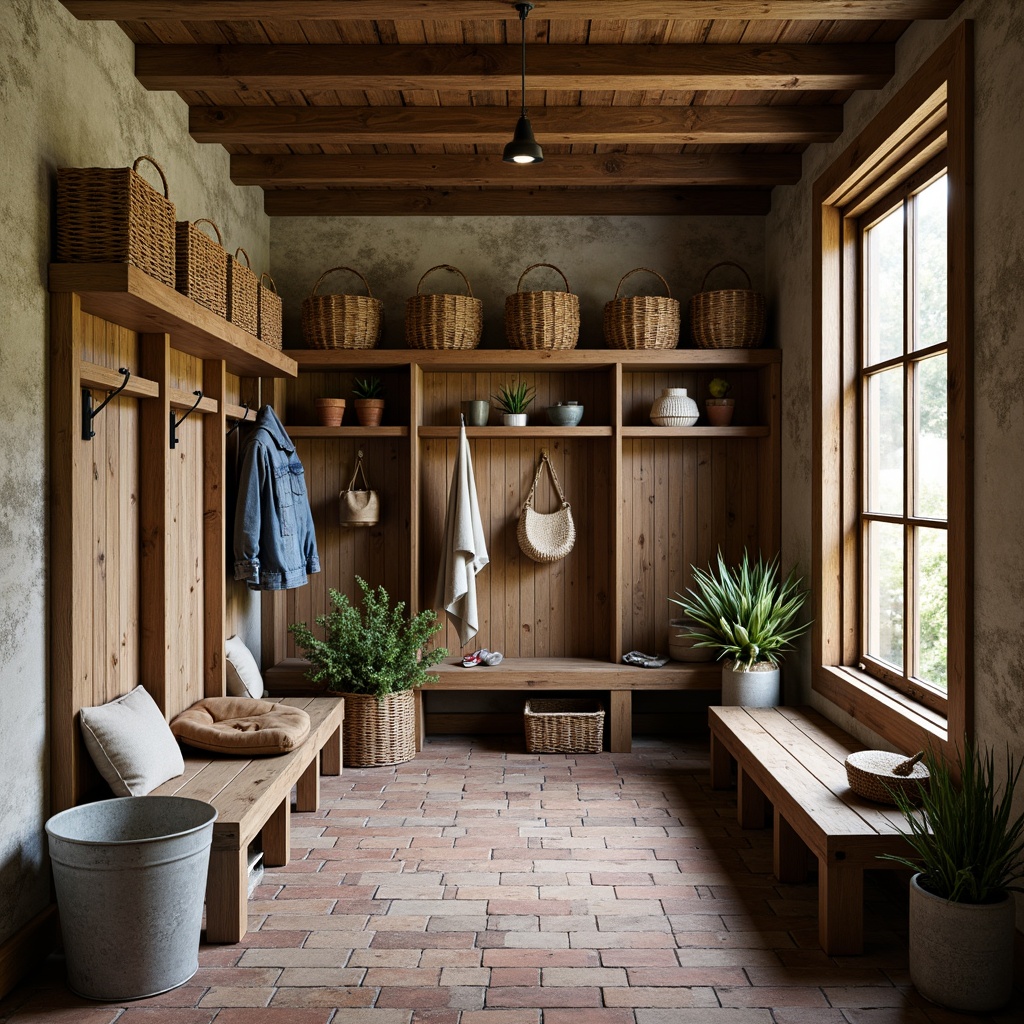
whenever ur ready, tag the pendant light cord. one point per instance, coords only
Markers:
(524, 10)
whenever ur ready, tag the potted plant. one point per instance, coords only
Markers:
(330, 411)
(514, 399)
(746, 615)
(970, 854)
(374, 658)
(369, 401)
(718, 407)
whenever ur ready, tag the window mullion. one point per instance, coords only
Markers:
(910, 630)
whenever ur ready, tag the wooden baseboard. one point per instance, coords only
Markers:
(27, 948)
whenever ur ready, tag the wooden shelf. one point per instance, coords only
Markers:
(759, 431)
(125, 295)
(508, 433)
(103, 378)
(327, 432)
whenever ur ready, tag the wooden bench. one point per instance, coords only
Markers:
(253, 796)
(793, 758)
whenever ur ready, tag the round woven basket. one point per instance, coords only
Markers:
(342, 321)
(729, 318)
(542, 320)
(443, 321)
(642, 321)
(876, 774)
(379, 731)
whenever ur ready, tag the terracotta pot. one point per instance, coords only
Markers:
(719, 411)
(330, 411)
(369, 411)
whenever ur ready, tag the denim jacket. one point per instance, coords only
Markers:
(275, 545)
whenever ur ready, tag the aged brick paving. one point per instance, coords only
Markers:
(478, 886)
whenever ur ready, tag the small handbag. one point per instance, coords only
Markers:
(358, 507)
(546, 536)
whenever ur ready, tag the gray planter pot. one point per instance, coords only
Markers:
(961, 954)
(756, 688)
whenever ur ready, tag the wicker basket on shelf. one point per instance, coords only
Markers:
(443, 321)
(202, 266)
(342, 321)
(642, 321)
(268, 313)
(728, 318)
(113, 215)
(564, 726)
(379, 732)
(542, 320)
(876, 774)
(243, 293)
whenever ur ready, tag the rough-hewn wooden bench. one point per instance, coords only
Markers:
(253, 796)
(793, 759)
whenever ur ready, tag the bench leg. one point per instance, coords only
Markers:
(721, 764)
(307, 789)
(751, 811)
(790, 853)
(330, 755)
(277, 836)
(840, 907)
(227, 896)
(620, 726)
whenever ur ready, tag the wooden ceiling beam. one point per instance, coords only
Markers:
(568, 169)
(517, 202)
(725, 66)
(662, 125)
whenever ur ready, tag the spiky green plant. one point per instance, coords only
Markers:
(743, 612)
(968, 849)
(375, 651)
(514, 397)
(368, 387)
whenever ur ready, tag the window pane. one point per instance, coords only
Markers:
(885, 593)
(930, 265)
(884, 442)
(930, 443)
(885, 288)
(930, 596)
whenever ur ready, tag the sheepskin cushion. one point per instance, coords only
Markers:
(241, 726)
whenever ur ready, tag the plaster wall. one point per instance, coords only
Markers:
(68, 97)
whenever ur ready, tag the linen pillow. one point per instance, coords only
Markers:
(131, 744)
(241, 726)
(243, 674)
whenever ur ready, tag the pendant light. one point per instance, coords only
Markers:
(523, 148)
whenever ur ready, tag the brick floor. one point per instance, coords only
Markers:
(479, 886)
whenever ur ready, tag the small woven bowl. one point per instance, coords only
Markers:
(875, 774)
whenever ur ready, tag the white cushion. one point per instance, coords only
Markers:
(243, 674)
(131, 744)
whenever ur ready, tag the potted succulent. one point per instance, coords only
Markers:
(514, 399)
(969, 855)
(374, 658)
(719, 408)
(368, 401)
(747, 616)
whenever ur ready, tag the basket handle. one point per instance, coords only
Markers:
(273, 283)
(726, 263)
(351, 270)
(545, 461)
(644, 270)
(904, 768)
(159, 170)
(519, 287)
(206, 220)
(245, 254)
(454, 270)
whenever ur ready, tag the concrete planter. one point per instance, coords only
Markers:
(758, 687)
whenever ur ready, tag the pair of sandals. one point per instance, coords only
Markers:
(642, 660)
(483, 657)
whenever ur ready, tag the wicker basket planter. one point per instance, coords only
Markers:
(113, 215)
(729, 318)
(564, 726)
(243, 293)
(342, 321)
(542, 320)
(268, 313)
(202, 266)
(642, 321)
(875, 774)
(443, 321)
(379, 731)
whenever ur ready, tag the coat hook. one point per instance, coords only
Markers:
(544, 453)
(177, 423)
(88, 412)
(238, 423)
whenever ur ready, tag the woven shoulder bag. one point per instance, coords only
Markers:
(546, 536)
(358, 507)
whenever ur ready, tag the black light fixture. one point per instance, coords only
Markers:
(523, 149)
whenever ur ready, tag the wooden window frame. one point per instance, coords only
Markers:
(931, 114)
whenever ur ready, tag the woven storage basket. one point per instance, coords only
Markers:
(873, 774)
(268, 313)
(379, 731)
(113, 215)
(564, 726)
(202, 266)
(642, 321)
(243, 293)
(342, 321)
(443, 321)
(542, 320)
(730, 318)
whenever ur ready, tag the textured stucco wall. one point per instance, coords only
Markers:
(68, 97)
(998, 352)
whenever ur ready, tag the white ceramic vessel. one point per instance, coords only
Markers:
(674, 409)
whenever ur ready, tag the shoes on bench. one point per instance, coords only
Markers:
(482, 657)
(642, 660)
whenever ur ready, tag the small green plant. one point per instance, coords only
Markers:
(368, 387)
(743, 612)
(515, 397)
(968, 850)
(375, 651)
(719, 387)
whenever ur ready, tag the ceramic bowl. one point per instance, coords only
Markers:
(565, 415)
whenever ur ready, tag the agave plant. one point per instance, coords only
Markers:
(743, 612)
(514, 397)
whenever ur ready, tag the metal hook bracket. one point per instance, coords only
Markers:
(238, 423)
(175, 423)
(89, 413)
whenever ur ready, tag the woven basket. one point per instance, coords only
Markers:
(113, 215)
(875, 774)
(202, 266)
(564, 726)
(443, 321)
(542, 320)
(730, 318)
(379, 731)
(268, 313)
(243, 293)
(642, 321)
(342, 321)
